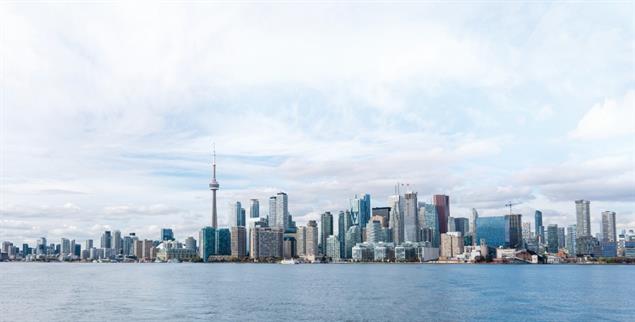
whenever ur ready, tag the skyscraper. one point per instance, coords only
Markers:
(207, 241)
(223, 242)
(266, 242)
(254, 208)
(462, 225)
(374, 232)
(333, 247)
(117, 242)
(540, 229)
(311, 246)
(410, 218)
(514, 231)
(361, 210)
(571, 239)
(442, 202)
(473, 218)
(561, 238)
(344, 221)
(239, 239)
(237, 214)
(326, 229)
(106, 240)
(583, 218)
(429, 219)
(609, 232)
(396, 204)
(552, 238)
(353, 236)
(214, 186)
(300, 238)
(279, 211)
(167, 234)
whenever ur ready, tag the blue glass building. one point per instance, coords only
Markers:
(167, 234)
(223, 242)
(540, 229)
(609, 249)
(492, 229)
(361, 210)
(207, 242)
(430, 220)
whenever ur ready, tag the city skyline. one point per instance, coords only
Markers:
(118, 132)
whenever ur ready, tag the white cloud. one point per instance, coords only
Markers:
(611, 118)
(114, 107)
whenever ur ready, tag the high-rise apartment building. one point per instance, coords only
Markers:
(609, 233)
(583, 218)
(300, 238)
(571, 240)
(312, 239)
(326, 230)
(451, 244)
(254, 208)
(266, 242)
(238, 241)
(106, 239)
(117, 242)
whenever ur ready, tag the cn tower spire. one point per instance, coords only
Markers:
(213, 185)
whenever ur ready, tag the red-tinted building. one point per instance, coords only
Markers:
(442, 203)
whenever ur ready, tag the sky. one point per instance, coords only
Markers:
(109, 110)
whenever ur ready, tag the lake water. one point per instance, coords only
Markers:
(264, 292)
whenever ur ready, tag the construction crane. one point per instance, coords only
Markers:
(510, 204)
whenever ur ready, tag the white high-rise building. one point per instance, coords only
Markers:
(472, 229)
(65, 247)
(117, 242)
(583, 218)
(397, 205)
(410, 217)
(312, 237)
(282, 211)
(609, 233)
(374, 232)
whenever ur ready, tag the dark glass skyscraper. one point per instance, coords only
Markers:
(344, 221)
(167, 234)
(223, 242)
(552, 238)
(513, 231)
(540, 230)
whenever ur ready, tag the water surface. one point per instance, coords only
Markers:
(371, 292)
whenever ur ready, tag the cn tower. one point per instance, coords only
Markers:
(214, 186)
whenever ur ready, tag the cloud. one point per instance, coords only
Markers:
(320, 103)
(609, 119)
